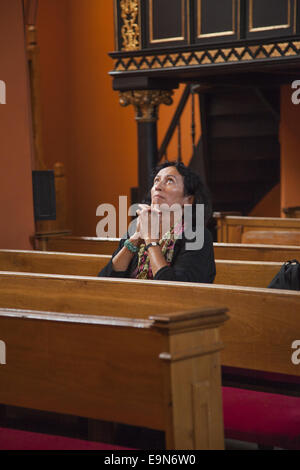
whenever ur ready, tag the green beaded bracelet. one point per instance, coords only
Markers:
(131, 247)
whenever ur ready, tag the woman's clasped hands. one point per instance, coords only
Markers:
(149, 222)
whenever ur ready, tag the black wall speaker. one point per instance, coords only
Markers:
(44, 195)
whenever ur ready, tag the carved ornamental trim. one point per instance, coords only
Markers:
(208, 57)
(130, 30)
(146, 102)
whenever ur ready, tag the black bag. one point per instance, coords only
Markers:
(288, 277)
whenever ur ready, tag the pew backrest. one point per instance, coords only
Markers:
(257, 252)
(127, 368)
(263, 322)
(231, 272)
(106, 246)
(273, 230)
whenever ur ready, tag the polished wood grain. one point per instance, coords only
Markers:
(257, 252)
(233, 272)
(71, 244)
(239, 251)
(272, 237)
(86, 348)
(122, 368)
(246, 273)
(233, 229)
(263, 322)
(52, 262)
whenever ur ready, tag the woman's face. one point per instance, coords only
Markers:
(168, 188)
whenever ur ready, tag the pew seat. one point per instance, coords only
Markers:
(14, 439)
(268, 419)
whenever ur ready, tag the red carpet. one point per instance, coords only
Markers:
(11, 439)
(265, 418)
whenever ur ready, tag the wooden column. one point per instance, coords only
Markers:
(146, 104)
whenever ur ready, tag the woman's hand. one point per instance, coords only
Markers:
(149, 223)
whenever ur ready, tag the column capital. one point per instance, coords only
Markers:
(146, 102)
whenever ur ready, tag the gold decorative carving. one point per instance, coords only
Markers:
(130, 30)
(146, 102)
(210, 56)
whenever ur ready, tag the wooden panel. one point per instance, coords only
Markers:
(235, 102)
(52, 262)
(254, 171)
(272, 237)
(73, 364)
(163, 28)
(227, 250)
(244, 273)
(231, 251)
(227, 225)
(216, 21)
(244, 148)
(245, 126)
(83, 370)
(268, 318)
(77, 245)
(238, 191)
(271, 18)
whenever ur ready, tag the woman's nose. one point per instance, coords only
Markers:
(158, 185)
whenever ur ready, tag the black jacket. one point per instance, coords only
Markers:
(186, 266)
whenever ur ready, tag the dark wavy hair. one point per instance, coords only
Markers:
(193, 186)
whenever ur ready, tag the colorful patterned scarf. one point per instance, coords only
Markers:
(167, 243)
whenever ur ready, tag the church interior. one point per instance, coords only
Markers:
(93, 96)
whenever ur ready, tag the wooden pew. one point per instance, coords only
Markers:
(245, 252)
(263, 325)
(71, 244)
(238, 251)
(112, 355)
(251, 309)
(258, 230)
(237, 273)
(52, 262)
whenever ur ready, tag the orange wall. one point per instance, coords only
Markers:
(103, 135)
(52, 37)
(290, 147)
(83, 124)
(16, 204)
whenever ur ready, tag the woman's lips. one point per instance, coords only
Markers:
(158, 195)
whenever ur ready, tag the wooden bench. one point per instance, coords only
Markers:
(142, 362)
(72, 244)
(263, 325)
(231, 272)
(257, 252)
(258, 230)
(106, 246)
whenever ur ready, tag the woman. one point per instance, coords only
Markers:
(151, 254)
